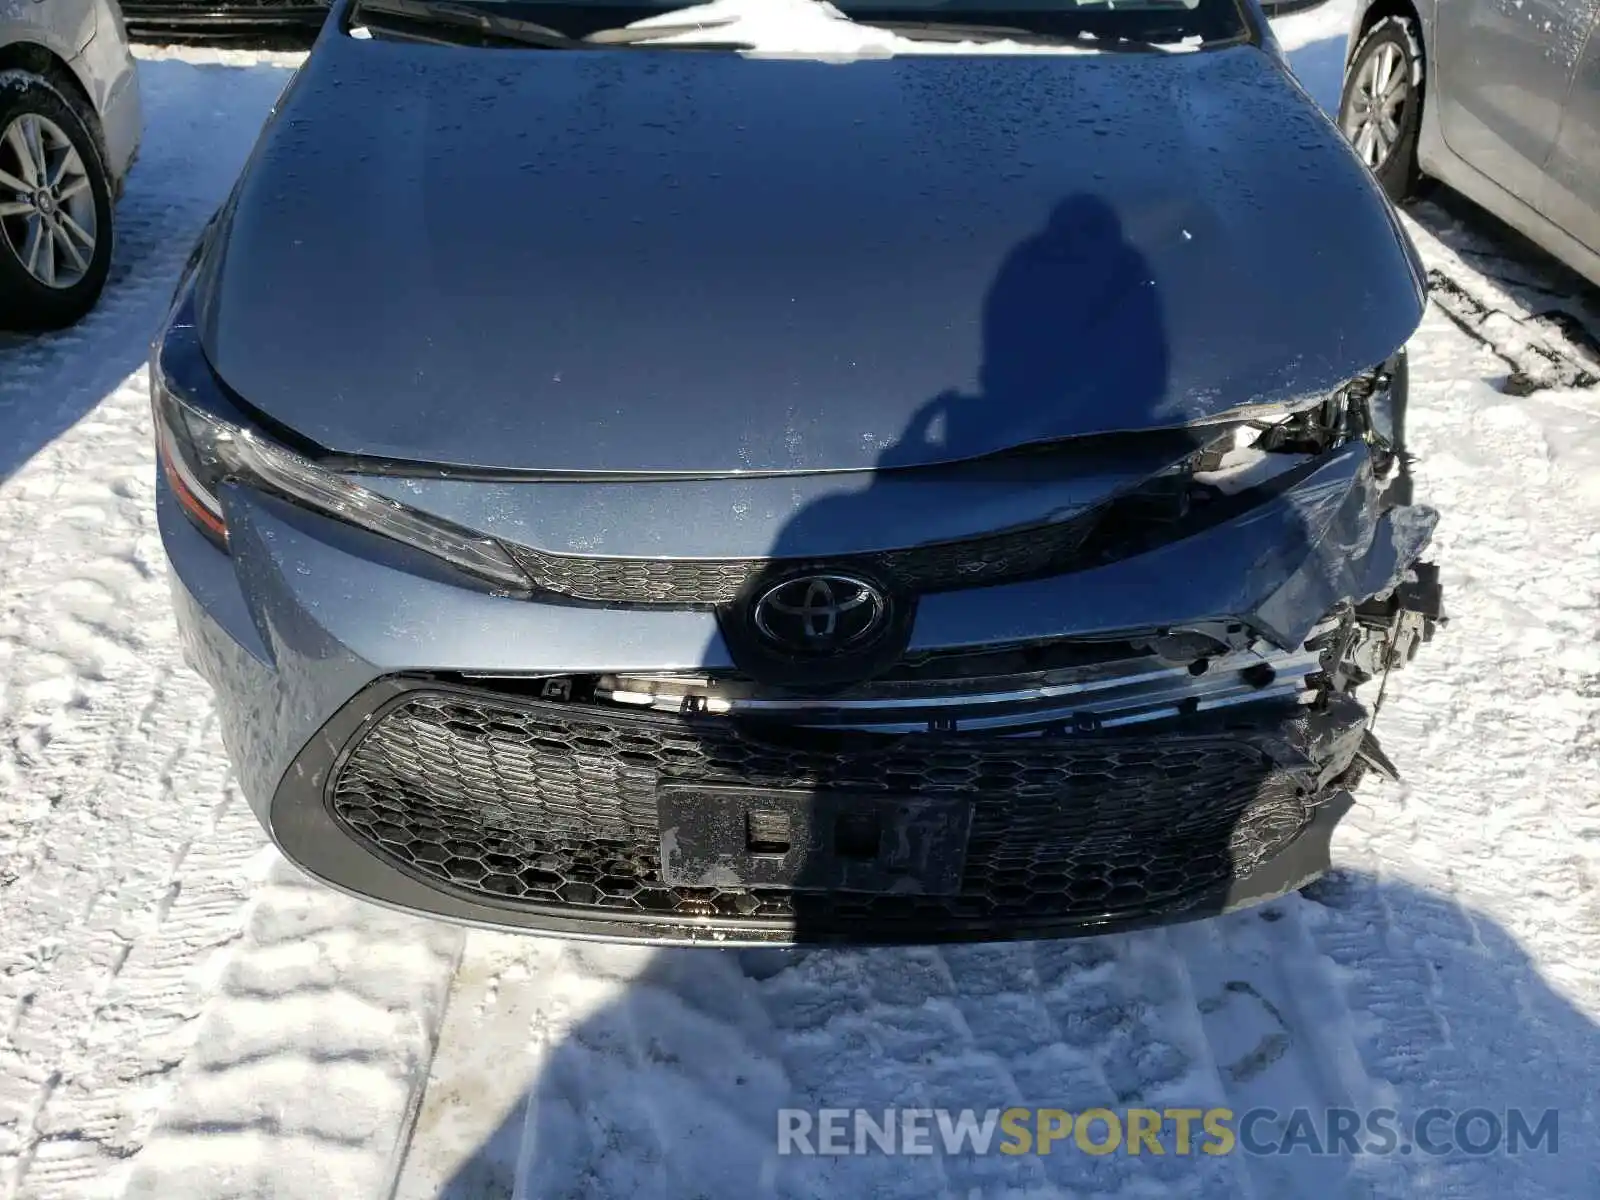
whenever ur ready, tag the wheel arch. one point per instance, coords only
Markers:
(1382, 10)
(1399, 11)
(41, 60)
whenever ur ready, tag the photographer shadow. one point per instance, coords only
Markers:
(671, 1086)
(1365, 993)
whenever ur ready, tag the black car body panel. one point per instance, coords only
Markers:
(184, 19)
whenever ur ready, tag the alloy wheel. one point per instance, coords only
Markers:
(47, 207)
(1377, 99)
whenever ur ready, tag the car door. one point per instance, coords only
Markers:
(1502, 69)
(1571, 198)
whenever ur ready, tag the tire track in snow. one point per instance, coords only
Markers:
(1279, 1021)
(98, 839)
(1541, 330)
(1385, 989)
(129, 857)
(686, 1056)
(125, 847)
(1493, 815)
(303, 1074)
(592, 1071)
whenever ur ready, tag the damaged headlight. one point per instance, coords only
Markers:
(1263, 441)
(1251, 453)
(199, 452)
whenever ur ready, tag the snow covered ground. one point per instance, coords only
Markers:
(182, 1015)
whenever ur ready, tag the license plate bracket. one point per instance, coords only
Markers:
(715, 835)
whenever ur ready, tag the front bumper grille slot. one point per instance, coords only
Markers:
(531, 804)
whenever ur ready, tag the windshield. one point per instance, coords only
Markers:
(859, 26)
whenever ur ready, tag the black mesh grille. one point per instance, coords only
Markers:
(938, 567)
(555, 806)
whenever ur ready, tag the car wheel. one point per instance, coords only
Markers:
(55, 205)
(1381, 108)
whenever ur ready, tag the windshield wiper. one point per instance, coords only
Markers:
(413, 16)
(957, 31)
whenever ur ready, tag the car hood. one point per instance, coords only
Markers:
(687, 261)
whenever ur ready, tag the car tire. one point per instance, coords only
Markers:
(1380, 108)
(60, 127)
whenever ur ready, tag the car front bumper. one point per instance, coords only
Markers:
(419, 744)
(473, 804)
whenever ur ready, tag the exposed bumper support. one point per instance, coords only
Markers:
(1109, 695)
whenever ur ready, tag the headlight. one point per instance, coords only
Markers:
(1267, 440)
(1360, 406)
(199, 452)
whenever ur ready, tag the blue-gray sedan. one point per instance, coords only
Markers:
(911, 478)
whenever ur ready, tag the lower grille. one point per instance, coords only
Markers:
(553, 806)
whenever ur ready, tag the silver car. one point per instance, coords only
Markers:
(1499, 99)
(69, 131)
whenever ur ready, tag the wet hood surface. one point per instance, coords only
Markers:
(695, 261)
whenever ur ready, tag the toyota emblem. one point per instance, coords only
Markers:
(820, 614)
